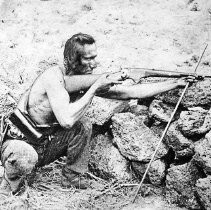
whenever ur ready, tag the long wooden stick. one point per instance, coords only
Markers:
(166, 129)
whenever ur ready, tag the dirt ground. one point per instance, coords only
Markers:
(162, 34)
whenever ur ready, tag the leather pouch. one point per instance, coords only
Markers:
(25, 125)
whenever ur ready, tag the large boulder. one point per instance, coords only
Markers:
(203, 189)
(202, 155)
(182, 146)
(160, 111)
(199, 94)
(134, 139)
(106, 161)
(156, 173)
(195, 122)
(102, 109)
(180, 185)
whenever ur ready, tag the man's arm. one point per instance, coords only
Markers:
(83, 82)
(138, 91)
(122, 92)
(65, 112)
(77, 83)
(68, 113)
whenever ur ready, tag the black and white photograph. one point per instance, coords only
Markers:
(105, 104)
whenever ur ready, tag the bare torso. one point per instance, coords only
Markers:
(56, 97)
(39, 106)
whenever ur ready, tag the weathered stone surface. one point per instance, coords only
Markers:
(102, 109)
(180, 182)
(196, 6)
(199, 94)
(106, 161)
(194, 122)
(141, 111)
(203, 189)
(182, 146)
(160, 111)
(158, 128)
(135, 140)
(156, 171)
(202, 155)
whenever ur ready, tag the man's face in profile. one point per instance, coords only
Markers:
(87, 60)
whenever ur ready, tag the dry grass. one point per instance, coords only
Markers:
(46, 193)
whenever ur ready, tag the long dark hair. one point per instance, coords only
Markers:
(74, 49)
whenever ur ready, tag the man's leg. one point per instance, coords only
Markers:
(18, 159)
(74, 143)
(78, 158)
(78, 150)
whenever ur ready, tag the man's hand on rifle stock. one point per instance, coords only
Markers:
(184, 80)
(107, 80)
(119, 75)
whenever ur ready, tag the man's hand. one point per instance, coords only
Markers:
(184, 80)
(106, 81)
(118, 76)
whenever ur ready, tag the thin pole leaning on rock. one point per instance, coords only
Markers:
(166, 129)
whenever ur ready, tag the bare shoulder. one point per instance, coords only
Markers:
(53, 77)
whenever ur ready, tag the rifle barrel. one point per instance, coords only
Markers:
(152, 69)
(164, 73)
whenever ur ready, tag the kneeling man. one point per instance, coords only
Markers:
(54, 107)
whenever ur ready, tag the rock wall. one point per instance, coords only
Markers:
(182, 165)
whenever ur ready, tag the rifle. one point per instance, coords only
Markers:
(76, 83)
(138, 73)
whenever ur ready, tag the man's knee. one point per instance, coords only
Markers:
(18, 158)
